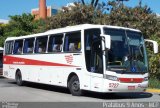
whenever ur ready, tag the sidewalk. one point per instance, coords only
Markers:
(152, 90)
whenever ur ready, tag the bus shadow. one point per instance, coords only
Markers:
(107, 96)
(45, 87)
(116, 96)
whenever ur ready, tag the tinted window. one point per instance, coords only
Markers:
(9, 47)
(41, 44)
(18, 47)
(28, 45)
(72, 41)
(55, 43)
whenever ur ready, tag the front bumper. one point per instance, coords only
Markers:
(116, 86)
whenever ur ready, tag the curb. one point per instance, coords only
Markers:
(153, 90)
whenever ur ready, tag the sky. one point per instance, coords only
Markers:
(17, 7)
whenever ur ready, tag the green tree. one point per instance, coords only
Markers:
(2, 38)
(20, 25)
(78, 14)
(24, 24)
(138, 17)
(1, 29)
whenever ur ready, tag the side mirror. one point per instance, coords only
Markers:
(107, 39)
(155, 45)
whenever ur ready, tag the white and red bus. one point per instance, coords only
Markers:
(89, 57)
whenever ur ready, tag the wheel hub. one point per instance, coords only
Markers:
(75, 85)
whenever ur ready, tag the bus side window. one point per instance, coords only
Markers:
(71, 47)
(41, 44)
(57, 47)
(72, 41)
(74, 46)
(28, 45)
(55, 43)
(9, 47)
(18, 47)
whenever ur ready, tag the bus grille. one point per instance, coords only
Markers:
(131, 80)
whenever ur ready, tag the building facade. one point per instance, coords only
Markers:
(43, 11)
(50, 11)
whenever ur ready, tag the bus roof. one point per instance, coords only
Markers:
(71, 28)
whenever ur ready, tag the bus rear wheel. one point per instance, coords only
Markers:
(19, 78)
(74, 86)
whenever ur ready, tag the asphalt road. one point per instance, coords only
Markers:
(33, 92)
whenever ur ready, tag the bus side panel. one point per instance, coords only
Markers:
(96, 82)
(75, 64)
(9, 71)
(49, 68)
(85, 80)
(8, 68)
(49, 75)
(6, 71)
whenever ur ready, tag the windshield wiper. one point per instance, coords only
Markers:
(140, 50)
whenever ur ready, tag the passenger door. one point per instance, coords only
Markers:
(93, 56)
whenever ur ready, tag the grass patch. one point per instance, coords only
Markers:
(154, 83)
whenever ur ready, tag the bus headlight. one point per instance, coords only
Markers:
(109, 77)
(146, 79)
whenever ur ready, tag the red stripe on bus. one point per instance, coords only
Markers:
(24, 61)
(131, 80)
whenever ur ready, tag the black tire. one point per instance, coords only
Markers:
(74, 86)
(19, 78)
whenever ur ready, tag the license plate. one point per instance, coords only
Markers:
(131, 87)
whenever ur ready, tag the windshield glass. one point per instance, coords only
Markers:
(127, 50)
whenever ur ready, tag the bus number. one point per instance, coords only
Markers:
(113, 85)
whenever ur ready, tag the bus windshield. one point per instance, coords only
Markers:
(127, 53)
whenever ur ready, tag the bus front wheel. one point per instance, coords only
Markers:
(74, 86)
(19, 78)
